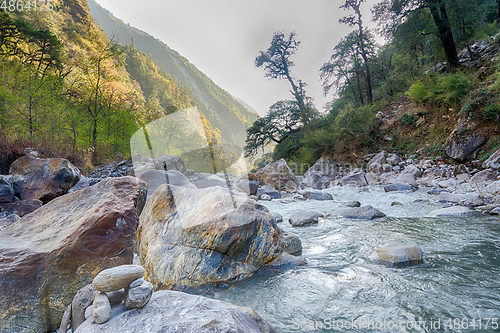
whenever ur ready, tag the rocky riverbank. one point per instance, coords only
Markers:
(58, 229)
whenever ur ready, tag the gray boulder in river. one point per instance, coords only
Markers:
(279, 176)
(362, 213)
(189, 238)
(398, 255)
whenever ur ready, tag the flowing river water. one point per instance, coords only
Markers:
(456, 289)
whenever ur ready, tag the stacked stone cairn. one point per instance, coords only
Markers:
(113, 286)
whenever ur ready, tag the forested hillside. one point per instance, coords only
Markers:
(432, 88)
(68, 90)
(221, 109)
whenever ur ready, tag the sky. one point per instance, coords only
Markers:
(223, 37)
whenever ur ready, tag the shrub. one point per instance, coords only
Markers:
(491, 112)
(408, 119)
(418, 92)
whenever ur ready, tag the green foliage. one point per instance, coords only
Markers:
(452, 88)
(491, 112)
(289, 147)
(408, 119)
(418, 92)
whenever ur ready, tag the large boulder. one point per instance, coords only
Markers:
(301, 219)
(464, 141)
(250, 187)
(356, 177)
(485, 176)
(48, 255)
(362, 213)
(173, 311)
(323, 168)
(210, 181)
(469, 199)
(450, 211)
(21, 208)
(316, 195)
(43, 179)
(191, 238)
(376, 162)
(279, 176)
(268, 190)
(6, 189)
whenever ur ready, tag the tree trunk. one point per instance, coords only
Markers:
(440, 16)
(358, 84)
(94, 142)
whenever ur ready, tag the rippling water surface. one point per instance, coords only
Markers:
(457, 285)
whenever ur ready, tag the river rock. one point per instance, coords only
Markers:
(320, 174)
(118, 277)
(301, 219)
(279, 176)
(393, 159)
(6, 188)
(352, 204)
(169, 162)
(362, 213)
(316, 195)
(7, 220)
(269, 190)
(277, 217)
(172, 311)
(82, 300)
(411, 169)
(464, 141)
(250, 187)
(284, 262)
(399, 255)
(190, 238)
(493, 162)
(21, 208)
(138, 296)
(407, 178)
(314, 180)
(375, 164)
(155, 178)
(470, 199)
(117, 296)
(101, 308)
(450, 211)
(84, 182)
(50, 254)
(398, 187)
(43, 179)
(291, 243)
(356, 177)
(265, 197)
(210, 181)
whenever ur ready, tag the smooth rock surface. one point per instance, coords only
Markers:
(21, 208)
(48, 255)
(398, 187)
(301, 219)
(172, 311)
(43, 179)
(118, 277)
(210, 181)
(399, 255)
(291, 243)
(279, 176)
(155, 178)
(316, 195)
(362, 213)
(269, 190)
(355, 178)
(80, 303)
(450, 211)
(190, 238)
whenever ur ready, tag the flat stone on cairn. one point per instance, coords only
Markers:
(117, 278)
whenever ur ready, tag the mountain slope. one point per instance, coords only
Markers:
(222, 110)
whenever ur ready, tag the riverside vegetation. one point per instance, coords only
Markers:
(139, 243)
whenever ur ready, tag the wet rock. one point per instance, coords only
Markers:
(396, 203)
(398, 187)
(316, 195)
(21, 208)
(356, 177)
(284, 262)
(291, 243)
(156, 178)
(172, 311)
(399, 255)
(277, 217)
(6, 188)
(301, 219)
(464, 141)
(75, 236)
(352, 204)
(279, 176)
(118, 277)
(42, 179)
(362, 213)
(471, 199)
(101, 308)
(450, 211)
(265, 197)
(270, 191)
(213, 236)
(137, 297)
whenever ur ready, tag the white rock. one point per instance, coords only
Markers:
(137, 297)
(450, 211)
(116, 278)
(101, 309)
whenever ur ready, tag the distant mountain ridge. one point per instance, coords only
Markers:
(222, 110)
